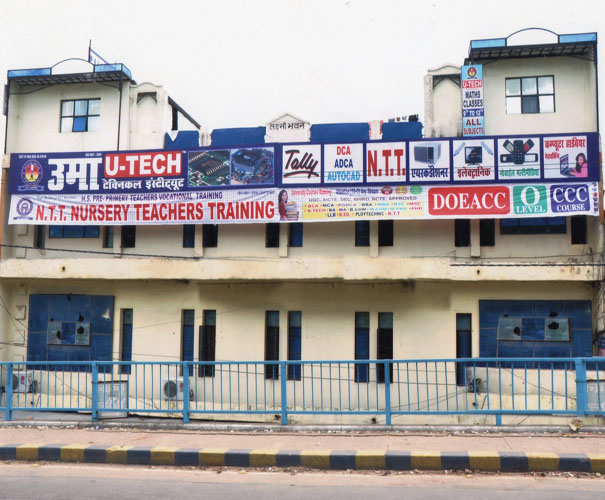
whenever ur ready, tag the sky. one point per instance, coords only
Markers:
(241, 63)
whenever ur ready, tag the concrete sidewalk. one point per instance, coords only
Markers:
(153, 441)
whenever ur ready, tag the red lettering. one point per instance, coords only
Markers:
(386, 153)
(220, 210)
(373, 170)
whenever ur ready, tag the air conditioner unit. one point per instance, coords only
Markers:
(23, 381)
(172, 389)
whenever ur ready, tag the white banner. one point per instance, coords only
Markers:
(308, 204)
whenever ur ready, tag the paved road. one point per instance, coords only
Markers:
(86, 482)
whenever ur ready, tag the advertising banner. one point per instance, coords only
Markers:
(356, 175)
(519, 158)
(473, 160)
(473, 114)
(308, 204)
(565, 157)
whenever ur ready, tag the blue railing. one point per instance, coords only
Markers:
(379, 388)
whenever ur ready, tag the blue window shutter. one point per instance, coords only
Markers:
(362, 351)
(294, 349)
(296, 234)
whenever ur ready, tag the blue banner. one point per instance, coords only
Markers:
(463, 160)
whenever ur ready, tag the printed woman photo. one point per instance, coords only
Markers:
(287, 209)
(581, 169)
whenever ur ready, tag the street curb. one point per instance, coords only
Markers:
(233, 427)
(490, 461)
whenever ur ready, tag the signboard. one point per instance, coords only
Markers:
(301, 164)
(287, 128)
(519, 158)
(372, 179)
(565, 157)
(430, 161)
(474, 160)
(343, 163)
(308, 204)
(471, 82)
(112, 395)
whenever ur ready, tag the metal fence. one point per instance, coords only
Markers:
(381, 388)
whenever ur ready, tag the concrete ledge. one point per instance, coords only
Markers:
(489, 461)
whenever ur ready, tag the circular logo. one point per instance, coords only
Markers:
(416, 189)
(31, 173)
(401, 189)
(387, 190)
(24, 207)
(472, 72)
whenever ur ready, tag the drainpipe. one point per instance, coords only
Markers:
(7, 99)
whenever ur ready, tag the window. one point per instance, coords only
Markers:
(73, 232)
(362, 233)
(207, 343)
(108, 237)
(294, 344)
(272, 235)
(534, 94)
(129, 236)
(578, 230)
(188, 236)
(487, 232)
(535, 328)
(385, 233)
(126, 334)
(463, 345)
(71, 327)
(81, 115)
(534, 225)
(362, 345)
(462, 232)
(272, 344)
(187, 323)
(210, 235)
(39, 237)
(295, 236)
(385, 345)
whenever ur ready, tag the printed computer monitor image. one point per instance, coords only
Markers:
(473, 155)
(564, 165)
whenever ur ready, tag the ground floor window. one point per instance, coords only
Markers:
(294, 344)
(535, 328)
(70, 328)
(385, 345)
(362, 345)
(126, 337)
(272, 343)
(207, 343)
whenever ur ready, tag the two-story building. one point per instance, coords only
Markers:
(291, 241)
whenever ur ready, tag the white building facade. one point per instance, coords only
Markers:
(395, 284)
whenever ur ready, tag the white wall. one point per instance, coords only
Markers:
(575, 96)
(442, 102)
(34, 120)
(424, 313)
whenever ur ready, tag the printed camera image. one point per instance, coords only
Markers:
(209, 168)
